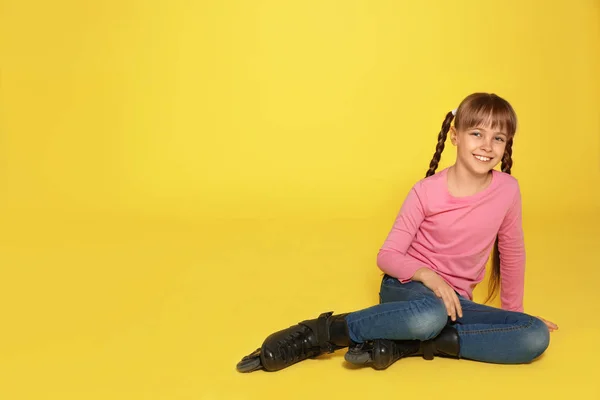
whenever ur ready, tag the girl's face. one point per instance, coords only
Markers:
(479, 149)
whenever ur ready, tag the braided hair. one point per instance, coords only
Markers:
(495, 274)
(439, 148)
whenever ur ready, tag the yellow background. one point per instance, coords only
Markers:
(180, 179)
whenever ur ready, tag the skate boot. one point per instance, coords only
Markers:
(307, 339)
(381, 353)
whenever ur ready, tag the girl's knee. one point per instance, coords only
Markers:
(427, 324)
(535, 340)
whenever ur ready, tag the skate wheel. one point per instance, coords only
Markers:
(250, 362)
(362, 358)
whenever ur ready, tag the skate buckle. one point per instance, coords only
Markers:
(323, 332)
(428, 349)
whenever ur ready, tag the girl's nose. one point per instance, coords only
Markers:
(487, 145)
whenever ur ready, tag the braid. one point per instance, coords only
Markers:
(439, 148)
(494, 282)
(507, 159)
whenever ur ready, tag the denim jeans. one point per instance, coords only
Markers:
(413, 311)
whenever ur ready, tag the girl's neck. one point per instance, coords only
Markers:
(462, 182)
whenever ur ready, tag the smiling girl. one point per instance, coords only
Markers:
(433, 258)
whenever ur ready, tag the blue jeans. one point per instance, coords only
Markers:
(412, 311)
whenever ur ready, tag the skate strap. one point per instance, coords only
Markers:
(323, 332)
(428, 348)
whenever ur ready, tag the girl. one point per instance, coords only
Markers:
(432, 259)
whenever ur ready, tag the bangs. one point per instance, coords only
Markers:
(486, 111)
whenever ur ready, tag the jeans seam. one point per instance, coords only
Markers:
(508, 329)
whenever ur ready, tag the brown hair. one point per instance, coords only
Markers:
(481, 109)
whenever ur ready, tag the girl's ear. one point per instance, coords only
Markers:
(453, 135)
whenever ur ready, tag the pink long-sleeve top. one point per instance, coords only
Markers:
(454, 236)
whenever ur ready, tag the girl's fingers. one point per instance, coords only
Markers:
(457, 303)
(451, 303)
(450, 307)
(551, 325)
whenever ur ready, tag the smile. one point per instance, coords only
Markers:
(482, 158)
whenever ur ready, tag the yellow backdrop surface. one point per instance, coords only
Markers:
(180, 179)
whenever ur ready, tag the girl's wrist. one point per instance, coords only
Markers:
(420, 274)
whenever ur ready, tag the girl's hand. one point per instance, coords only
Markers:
(441, 289)
(551, 325)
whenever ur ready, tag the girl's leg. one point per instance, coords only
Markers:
(483, 333)
(416, 314)
(411, 312)
(497, 336)
(417, 323)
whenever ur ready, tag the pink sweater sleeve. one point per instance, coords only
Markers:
(512, 257)
(392, 258)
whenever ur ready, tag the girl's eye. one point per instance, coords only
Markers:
(476, 134)
(500, 139)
